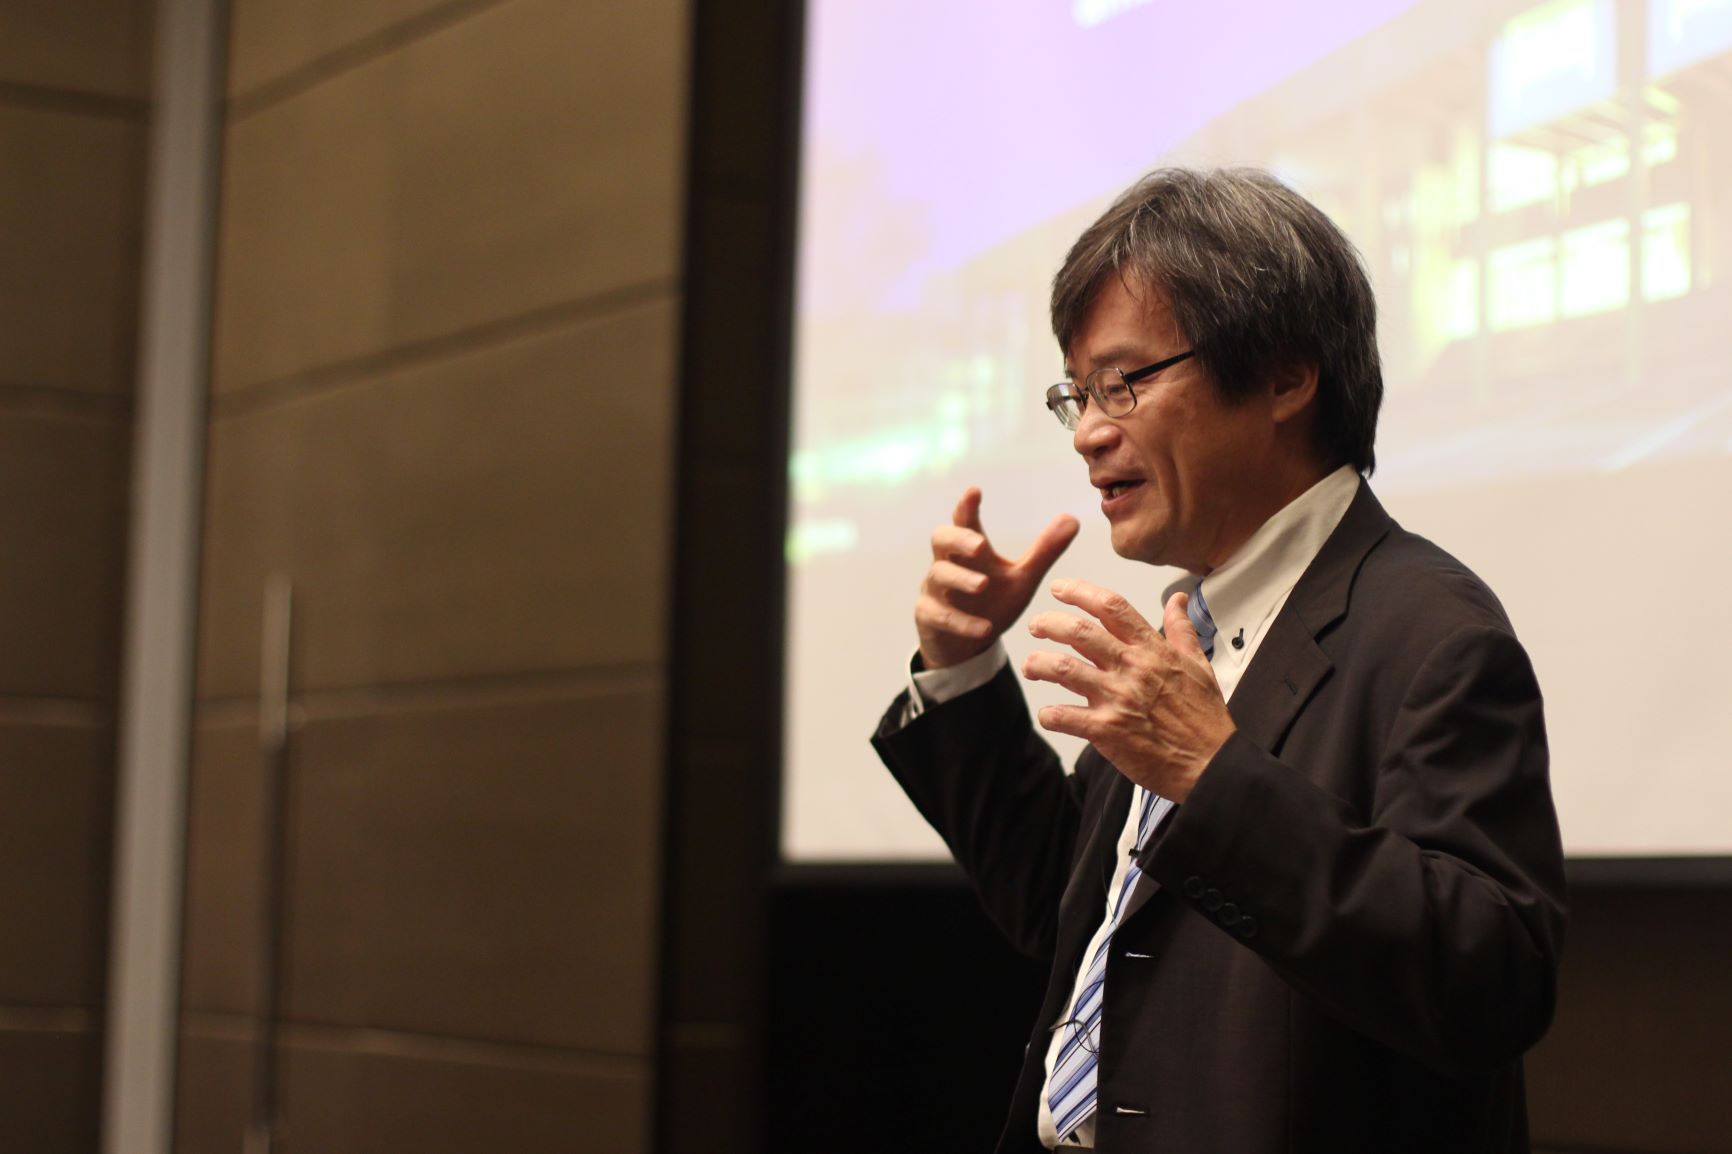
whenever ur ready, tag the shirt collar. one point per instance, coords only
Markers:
(1244, 593)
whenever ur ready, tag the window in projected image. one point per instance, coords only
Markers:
(1542, 195)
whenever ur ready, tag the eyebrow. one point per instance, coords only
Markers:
(1119, 355)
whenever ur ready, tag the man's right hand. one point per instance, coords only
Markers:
(971, 595)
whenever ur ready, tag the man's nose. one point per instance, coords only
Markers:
(1095, 432)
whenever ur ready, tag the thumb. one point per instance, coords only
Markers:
(1176, 624)
(1053, 540)
(967, 511)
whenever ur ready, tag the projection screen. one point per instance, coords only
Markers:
(1543, 197)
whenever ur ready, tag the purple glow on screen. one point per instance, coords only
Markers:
(991, 122)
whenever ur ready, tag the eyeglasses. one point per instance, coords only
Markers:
(1108, 388)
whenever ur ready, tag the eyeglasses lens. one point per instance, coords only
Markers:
(1063, 400)
(1108, 386)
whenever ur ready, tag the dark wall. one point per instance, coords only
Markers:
(897, 1018)
(74, 118)
(725, 661)
(1640, 1055)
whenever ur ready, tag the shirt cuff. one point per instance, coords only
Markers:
(936, 686)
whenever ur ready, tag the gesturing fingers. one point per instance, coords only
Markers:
(954, 578)
(959, 544)
(1082, 634)
(1115, 613)
(1181, 633)
(1151, 706)
(1053, 540)
(1073, 673)
(967, 511)
(933, 613)
(1074, 720)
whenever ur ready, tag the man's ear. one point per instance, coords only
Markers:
(1293, 390)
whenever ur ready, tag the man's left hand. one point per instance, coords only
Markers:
(1154, 708)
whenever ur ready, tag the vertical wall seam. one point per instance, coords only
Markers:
(162, 579)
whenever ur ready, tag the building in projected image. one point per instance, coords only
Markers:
(1536, 200)
(1535, 190)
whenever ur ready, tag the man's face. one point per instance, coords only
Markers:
(1180, 476)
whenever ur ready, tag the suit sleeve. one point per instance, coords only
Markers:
(1431, 925)
(996, 792)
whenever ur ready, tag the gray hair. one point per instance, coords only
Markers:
(1257, 278)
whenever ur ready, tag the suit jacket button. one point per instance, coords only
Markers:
(1193, 888)
(1247, 927)
(1229, 914)
(1212, 900)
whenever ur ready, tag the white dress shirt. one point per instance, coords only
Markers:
(1244, 596)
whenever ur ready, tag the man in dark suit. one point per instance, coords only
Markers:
(1304, 891)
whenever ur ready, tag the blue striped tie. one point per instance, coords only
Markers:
(1070, 1095)
(1197, 610)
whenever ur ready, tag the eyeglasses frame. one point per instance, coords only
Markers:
(1065, 391)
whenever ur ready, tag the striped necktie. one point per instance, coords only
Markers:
(1197, 610)
(1070, 1095)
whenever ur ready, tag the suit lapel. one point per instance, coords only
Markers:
(1290, 664)
(1103, 841)
(1147, 887)
(1287, 670)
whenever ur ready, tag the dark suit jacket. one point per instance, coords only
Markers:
(1346, 937)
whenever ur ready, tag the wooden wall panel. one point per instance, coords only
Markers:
(445, 366)
(63, 524)
(280, 40)
(481, 870)
(213, 1090)
(49, 1085)
(86, 46)
(497, 512)
(74, 76)
(71, 207)
(374, 1093)
(224, 868)
(520, 160)
(55, 801)
(352, 1097)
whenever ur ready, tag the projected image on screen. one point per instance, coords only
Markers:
(1543, 197)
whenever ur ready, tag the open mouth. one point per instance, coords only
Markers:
(1118, 488)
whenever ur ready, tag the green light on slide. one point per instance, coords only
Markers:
(1523, 284)
(809, 539)
(1461, 311)
(1598, 163)
(1659, 144)
(886, 458)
